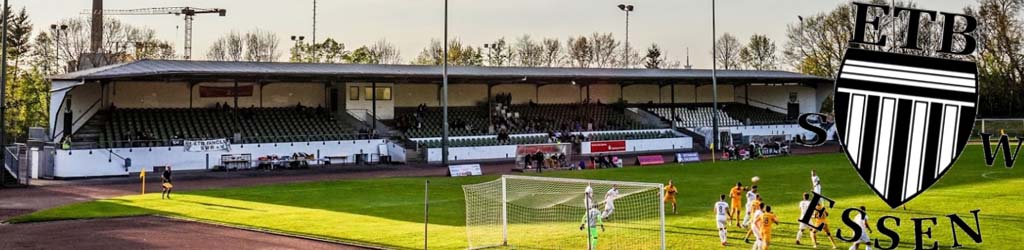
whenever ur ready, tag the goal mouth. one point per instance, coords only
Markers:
(530, 212)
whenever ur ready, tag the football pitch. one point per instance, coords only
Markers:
(388, 212)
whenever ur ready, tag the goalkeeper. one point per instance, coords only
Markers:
(591, 220)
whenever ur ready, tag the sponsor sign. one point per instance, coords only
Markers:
(688, 157)
(465, 170)
(208, 145)
(212, 91)
(607, 146)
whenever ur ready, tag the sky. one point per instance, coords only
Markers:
(675, 25)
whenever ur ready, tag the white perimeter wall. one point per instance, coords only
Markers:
(509, 151)
(99, 162)
(647, 145)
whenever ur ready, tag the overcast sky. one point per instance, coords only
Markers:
(410, 24)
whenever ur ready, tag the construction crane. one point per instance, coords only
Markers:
(188, 12)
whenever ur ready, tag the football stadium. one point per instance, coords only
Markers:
(907, 152)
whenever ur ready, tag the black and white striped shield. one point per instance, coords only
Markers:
(903, 120)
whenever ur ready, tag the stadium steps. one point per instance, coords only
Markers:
(91, 131)
(647, 118)
(698, 139)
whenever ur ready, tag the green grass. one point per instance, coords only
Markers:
(389, 211)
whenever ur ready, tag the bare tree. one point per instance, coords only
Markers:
(528, 52)
(261, 46)
(728, 52)
(605, 50)
(229, 47)
(759, 53)
(580, 52)
(385, 52)
(552, 52)
(122, 43)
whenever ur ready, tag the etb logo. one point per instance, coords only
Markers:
(904, 120)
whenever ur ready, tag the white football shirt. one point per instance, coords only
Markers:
(609, 198)
(721, 210)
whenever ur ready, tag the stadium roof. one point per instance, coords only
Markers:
(166, 70)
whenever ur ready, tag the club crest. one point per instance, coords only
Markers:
(903, 120)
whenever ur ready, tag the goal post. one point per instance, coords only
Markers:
(528, 212)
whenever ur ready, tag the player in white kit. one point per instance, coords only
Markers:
(862, 220)
(722, 218)
(751, 196)
(803, 209)
(755, 228)
(815, 182)
(609, 201)
(588, 196)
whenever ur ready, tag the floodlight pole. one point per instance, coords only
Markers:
(3, 86)
(444, 91)
(714, 82)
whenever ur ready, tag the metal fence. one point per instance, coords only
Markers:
(15, 164)
(1009, 126)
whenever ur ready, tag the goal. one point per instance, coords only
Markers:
(526, 212)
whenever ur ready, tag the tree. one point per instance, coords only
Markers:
(261, 46)
(759, 53)
(1000, 56)
(19, 34)
(458, 54)
(604, 51)
(499, 53)
(552, 52)
(528, 52)
(362, 55)
(253, 46)
(580, 52)
(657, 59)
(653, 59)
(728, 52)
(121, 43)
(27, 102)
(384, 52)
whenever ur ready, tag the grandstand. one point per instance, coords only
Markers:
(730, 114)
(146, 110)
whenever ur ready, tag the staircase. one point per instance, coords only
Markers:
(88, 136)
(13, 173)
(647, 118)
(698, 139)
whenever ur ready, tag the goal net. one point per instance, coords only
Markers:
(525, 212)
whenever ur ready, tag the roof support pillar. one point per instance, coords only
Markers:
(622, 88)
(490, 107)
(536, 93)
(746, 93)
(588, 93)
(191, 96)
(373, 107)
(672, 96)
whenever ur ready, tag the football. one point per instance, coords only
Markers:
(755, 179)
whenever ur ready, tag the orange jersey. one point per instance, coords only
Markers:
(767, 220)
(737, 194)
(820, 218)
(755, 205)
(670, 192)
